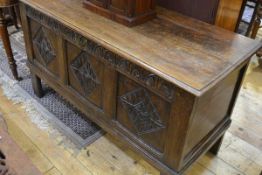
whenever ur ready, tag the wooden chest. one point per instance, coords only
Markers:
(166, 88)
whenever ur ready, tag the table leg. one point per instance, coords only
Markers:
(17, 11)
(14, 16)
(7, 46)
(260, 61)
(37, 85)
(215, 148)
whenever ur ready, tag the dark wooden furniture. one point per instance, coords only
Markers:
(13, 160)
(222, 13)
(166, 88)
(127, 12)
(5, 36)
(255, 25)
(228, 14)
(247, 16)
(250, 26)
(15, 16)
(204, 10)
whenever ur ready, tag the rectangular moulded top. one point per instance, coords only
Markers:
(191, 54)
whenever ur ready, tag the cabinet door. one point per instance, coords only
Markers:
(145, 6)
(119, 6)
(228, 14)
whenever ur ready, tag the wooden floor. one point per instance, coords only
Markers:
(241, 152)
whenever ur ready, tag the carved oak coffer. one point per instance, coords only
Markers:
(167, 89)
(127, 12)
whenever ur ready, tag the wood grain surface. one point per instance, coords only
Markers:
(191, 54)
(13, 158)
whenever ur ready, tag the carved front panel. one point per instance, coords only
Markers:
(45, 47)
(85, 74)
(143, 114)
(141, 111)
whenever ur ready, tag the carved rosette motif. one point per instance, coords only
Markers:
(149, 80)
(84, 73)
(141, 111)
(44, 47)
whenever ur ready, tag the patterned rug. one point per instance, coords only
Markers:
(65, 117)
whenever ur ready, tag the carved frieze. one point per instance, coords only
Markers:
(44, 47)
(84, 73)
(141, 75)
(141, 111)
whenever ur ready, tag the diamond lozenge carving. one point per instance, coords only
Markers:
(84, 73)
(44, 47)
(141, 111)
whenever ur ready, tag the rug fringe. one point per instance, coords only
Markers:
(12, 91)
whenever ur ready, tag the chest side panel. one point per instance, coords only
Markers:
(213, 112)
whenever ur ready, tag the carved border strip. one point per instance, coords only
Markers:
(141, 75)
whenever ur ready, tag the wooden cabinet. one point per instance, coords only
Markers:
(228, 14)
(223, 13)
(127, 12)
(204, 10)
(166, 88)
(119, 7)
